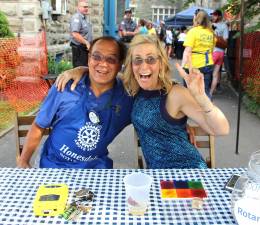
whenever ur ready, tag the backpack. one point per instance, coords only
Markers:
(221, 43)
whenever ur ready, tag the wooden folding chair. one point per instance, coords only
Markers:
(22, 126)
(199, 138)
(50, 79)
(140, 158)
(202, 140)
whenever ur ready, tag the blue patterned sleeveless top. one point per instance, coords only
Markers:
(164, 140)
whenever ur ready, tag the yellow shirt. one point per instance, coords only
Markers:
(200, 40)
(152, 31)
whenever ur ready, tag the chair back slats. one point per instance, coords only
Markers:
(212, 151)
(25, 120)
(22, 126)
(23, 133)
(199, 131)
(202, 144)
(204, 140)
(140, 158)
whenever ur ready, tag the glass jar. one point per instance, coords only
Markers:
(246, 194)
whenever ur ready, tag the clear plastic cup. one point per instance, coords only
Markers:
(246, 193)
(254, 166)
(137, 186)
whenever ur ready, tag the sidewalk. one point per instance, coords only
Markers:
(123, 148)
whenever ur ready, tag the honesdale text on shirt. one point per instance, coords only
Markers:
(71, 156)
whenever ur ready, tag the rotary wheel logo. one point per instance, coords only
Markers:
(88, 136)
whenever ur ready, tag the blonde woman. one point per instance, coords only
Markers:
(199, 44)
(161, 108)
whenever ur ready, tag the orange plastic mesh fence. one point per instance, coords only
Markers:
(23, 62)
(251, 64)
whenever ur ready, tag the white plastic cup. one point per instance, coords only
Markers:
(137, 186)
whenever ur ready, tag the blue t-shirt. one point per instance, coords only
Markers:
(76, 141)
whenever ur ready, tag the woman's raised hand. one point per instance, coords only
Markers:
(194, 80)
(75, 74)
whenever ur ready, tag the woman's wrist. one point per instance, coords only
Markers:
(205, 103)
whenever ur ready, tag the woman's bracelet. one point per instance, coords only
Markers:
(208, 111)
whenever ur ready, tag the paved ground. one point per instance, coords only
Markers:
(123, 148)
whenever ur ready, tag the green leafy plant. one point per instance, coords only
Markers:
(58, 67)
(6, 115)
(4, 27)
(9, 59)
(251, 98)
(253, 106)
(253, 89)
(252, 10)
(234, 6)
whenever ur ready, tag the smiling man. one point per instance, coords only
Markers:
(84, 121)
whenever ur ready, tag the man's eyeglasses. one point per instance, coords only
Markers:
(108, 59)
(150, 60)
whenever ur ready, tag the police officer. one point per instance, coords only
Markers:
(81, 35)
(128, 27)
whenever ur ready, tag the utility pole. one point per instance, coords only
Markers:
(242, 13)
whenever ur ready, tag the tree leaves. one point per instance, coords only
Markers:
(4, 27)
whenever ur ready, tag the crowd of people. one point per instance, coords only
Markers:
(89, 106)
(171, 38)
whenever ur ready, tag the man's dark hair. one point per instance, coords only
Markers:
(183, 28)
(142, 22)
(128, 10)
(120, 44)
(217, 12)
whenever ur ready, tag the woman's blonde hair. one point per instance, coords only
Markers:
(202, 19)
(129, 81)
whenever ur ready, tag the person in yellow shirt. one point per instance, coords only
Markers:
(199, 44)
(150, 28)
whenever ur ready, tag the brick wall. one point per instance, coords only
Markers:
(24, 16)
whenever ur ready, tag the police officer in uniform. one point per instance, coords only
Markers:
(81, 35)
(128, 27)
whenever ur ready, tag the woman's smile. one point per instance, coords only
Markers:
(145, 76)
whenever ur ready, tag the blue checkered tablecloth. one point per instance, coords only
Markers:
(18, 188)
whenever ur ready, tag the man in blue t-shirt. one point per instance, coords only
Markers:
(85, 121)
